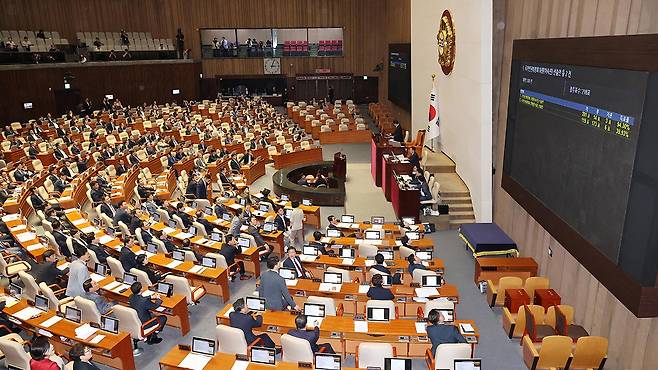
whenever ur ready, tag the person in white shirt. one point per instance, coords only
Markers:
(296, 226)
(78, 272)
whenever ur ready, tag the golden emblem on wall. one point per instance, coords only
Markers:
(445, 40)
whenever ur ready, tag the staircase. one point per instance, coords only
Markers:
(453, 191)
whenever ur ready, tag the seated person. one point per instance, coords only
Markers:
(47, 271)
(127, 257)
(322, 247)
(142, 264)
(80, 354)
(229, 250)
(440, 333)
(292, 261)
(91, 293)
(241, 319)
(381, 267)
(377, 291)
(311, 336)
(200, 218)
(414, 263)
(93, 243)
(187, 221)
(144, 306)
(44, 356)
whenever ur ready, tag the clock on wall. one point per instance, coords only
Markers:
(445, 40)
(272, 66)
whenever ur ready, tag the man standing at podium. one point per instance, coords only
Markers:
(397, 134)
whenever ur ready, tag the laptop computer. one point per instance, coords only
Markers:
(333, 277)
(269, 227)
(152, 248)
(178, 255)
(243, 243)
(165, 288)
(41, 303)
(314, 309)
(309, 250)
(203, 346)
(100, 269)
(191, 230)
(172, 223)
(208, 211)
(424, 255)
(397, 363)
(109, 324)
(387, 280)
(73, 314)
(387, 253)
(431, 281)
(285, 197)
(377, 220)
(348, 219)
(264, 207)
(325, 361)
(413, 235)
(347, 252)
(288, 212)
(378, 314)
(129, 278)
(333, 233)
(216, 237)
(468, 364)
(408, 220)
(209, 262)
(448, 314)
(307, 202)
(226, 217)
(263, 355)
(255, 304)
(287, 273)
(372, 235)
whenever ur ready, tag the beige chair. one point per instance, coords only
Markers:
(15, 354)
(287, 147)
(346, 273)
(142, 277)
(390, 305)
(554, 352)
(125, 231)
(325, 128)
(37, 165)
(54, 303)
(367, 250)
(271, 150)
(496, 292)
(116, 268)
(360, 127)
(231, 340)
(405, 252)
(439, 304)
(445, 355)
(30, 286)
(296, 349)
(11, 269)
(200, 229)
(590, 353)
(343, 127)
(88, 309)
(419, 273)
(370, 354)
(182, 287)
(129, 322)
(535, 282)
(305, 145)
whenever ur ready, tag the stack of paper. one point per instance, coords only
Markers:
(79, 221)
(112, 285)
(370, 263)
(173, 264)
(22, 238)
(363, 289)
(467, 328)
(329, 287)
(27, 313)
(194, 361)
(427, 292)
(184, 235)
(84, 331)
(240, 365)
(97, 339)
(348, 261)
(168, 230)
(105, 239)
(196, 269)
(421, 327)
(360, 326)
(11, 217)
(18, 227)
(96, 278)
(36, 246)
(51, 321)
(89, 229)
(291, 282)
(307, 258)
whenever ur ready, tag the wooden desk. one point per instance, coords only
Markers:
(493, 268)
(547, 298)
(342, 137)
(173, 358)
(340, 332)
(388, 166)
(114, 350)
(254, 171)
(406, 201)
(378, 146)
(298, 156)
(515, 298)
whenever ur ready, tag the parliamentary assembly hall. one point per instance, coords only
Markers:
(329, 184)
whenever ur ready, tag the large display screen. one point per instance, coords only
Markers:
(571, 142)
(399, 75)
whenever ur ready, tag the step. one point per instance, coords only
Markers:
(461, 207)
(455, 224)
(462, 215)
(440, 168)
(456, 200)
(455, 193)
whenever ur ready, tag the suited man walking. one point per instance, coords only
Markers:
(311, 336)
(273, 288)
(241, 319)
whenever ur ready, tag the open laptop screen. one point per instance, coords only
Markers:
(325, 361)
(203, 346)
(263, 355)
(378, 314)
(468, 364)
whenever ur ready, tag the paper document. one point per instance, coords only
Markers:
(51, 321)
(329, 287)
(70, 210)
(363, 289)
(361, 326)
(372, 242)
(89, 229)
(370, 263)
(84, 331)
(240, 365)
(194, 361)
(97, 339)
(35, 247)
(467, 328)
(421, 327)
(195, 269)
(147, 293)
(112, 285)
(18, 227)
(377, 227)
(121, 287)
(184, 235)
(173, 264)
(307, 258)
(22, 238)
(27, 313)
(168, 230)
(344, 225)
(79, 221)
(355, 226)
(325, 239)
(10, 301)
(425, 263)
(347, 261)
(105, 239)
(291, 282)
(96, 278)
(427, 292)
(235, 206)
(64, 266)
(11, 217)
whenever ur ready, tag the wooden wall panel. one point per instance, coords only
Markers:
(363, 22)
(632, 340)
(131, 83)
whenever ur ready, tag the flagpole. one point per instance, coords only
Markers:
(432, 141)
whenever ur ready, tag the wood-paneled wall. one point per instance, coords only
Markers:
(397, 31)
(132, 83)
(632, 341)
(363, 21)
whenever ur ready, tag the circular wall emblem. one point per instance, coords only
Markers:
(445, 40)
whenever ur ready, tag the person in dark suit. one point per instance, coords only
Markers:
(377, 291)
(127, 257)
(47, 270)
(440, 333)
(241, 319)
(143, 306)
(169, 245)
(187, 221)
(414, 263)
(201, 190)
(311, 336)
(412, 156)
(281, 222)
(59, 152)
(292, 261)
(122, 214)
(333, 223)
(230, 250)
(81, 357)
(381, 267)
(397, 134)
(322, 247)
(219, 207)
(60, 239)
(38, 203)
(93, 244)
(96, 193)
(247, 158)
(273, 288)
(142, 264)
(107, 208)
(233, 164)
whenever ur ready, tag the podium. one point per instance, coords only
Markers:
(340, 166)
(406, 200)
(389, 165)
(379, 146)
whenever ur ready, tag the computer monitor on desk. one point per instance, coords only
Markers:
(263, 355)
(325, 361)
(333, 277)
(378, 314)
(348, 219)
(203, 346)
(314, 309)
(333, 233)
(255, 304)
(377, 220)
(397, 363)
(372, 235)
(468, 364)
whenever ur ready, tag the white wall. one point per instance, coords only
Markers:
(464, 95)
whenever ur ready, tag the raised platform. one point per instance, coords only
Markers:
(331, 196)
